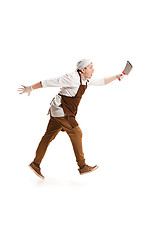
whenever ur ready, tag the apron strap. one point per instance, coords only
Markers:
(80, 77)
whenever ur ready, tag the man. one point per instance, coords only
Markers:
(63, 111)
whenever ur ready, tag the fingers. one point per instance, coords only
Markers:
(122, 76)
(21, 90)
(25, 89)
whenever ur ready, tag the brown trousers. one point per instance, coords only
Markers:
(55, 125)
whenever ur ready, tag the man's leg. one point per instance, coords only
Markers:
(75, 135)
(76, 138)
(52, 130)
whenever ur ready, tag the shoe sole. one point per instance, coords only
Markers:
(36, 172)
(89, 171)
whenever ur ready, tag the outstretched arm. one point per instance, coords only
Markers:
(28, 89)
(104, 81)
(67, 80)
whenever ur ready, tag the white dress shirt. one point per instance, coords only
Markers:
(69, 84)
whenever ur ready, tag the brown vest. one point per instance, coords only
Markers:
(70, 104)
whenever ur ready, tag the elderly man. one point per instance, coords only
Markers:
(63, 110)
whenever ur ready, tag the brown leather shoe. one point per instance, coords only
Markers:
(87, 169)
(36, 170)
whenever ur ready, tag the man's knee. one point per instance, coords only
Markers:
(78, 132)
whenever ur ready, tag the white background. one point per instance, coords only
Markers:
(120, 121)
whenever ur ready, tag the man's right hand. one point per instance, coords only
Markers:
(25, 89)
(120, 76)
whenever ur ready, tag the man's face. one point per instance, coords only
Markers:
(88, 71)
